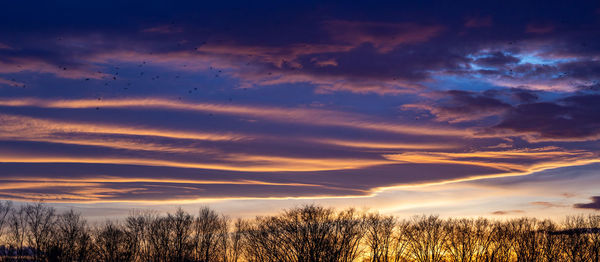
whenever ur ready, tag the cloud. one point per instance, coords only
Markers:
(537, 28)
(595, 204)
(385, 145)
(16, 127)
(507, 212)
(154, 190)
(547, 204)
(11, 83)
(475, 22)
(31, 180)
(4, 46)
(524, 96)
(163, 29)
(342, 55)
(460, 106)
(291, 41)
(481, 96)
(514, 160)
(308, 116)
(384, 36)
(570, 118)
(496, 59)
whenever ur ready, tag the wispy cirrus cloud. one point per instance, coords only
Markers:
(308, 116)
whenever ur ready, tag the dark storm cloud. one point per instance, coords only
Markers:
(595, 204)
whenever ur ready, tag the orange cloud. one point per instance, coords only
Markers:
(21, 127)
(32, 65)
(385, 145)
(238, 162)
(517, 160)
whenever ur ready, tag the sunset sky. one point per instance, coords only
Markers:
(457, 109)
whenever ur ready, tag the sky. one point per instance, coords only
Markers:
(464, 109)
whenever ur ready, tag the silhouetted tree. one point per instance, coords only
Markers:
(427, 239)
(310, 233)
(501, 249)
(207, 236)
(5, 211)
(593, 224)
(34, 232)
(380, 237)
(73, 240)
(40, 221)
(181, 223)
(575, 245)
(18, 232)
(137, 226)
(528, 239)
(113, 243)
(236, 240)
(469, 240)
(551, 243)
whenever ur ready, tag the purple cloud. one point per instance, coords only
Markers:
(595, 204)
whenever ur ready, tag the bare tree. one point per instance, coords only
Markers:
(469, 240)
(310, 233)
(575, 245)
(304, 234)
(380, 237)
(593, 225)
(501, 249)
(18, 232)
(224, 237)
(234, 252)
(181, 223)
(207, 236)
(113, 243)
(427, 239)
(402, 238)
(159, 239)
(73, 240)
(40, 221)
(551, 243)
(347, 235)
(137, 226)
(5, 210)
(462, 241)
(528, 239)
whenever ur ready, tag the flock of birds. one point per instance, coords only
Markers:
(115, 76)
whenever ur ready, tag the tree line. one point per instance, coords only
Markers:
(37, 232)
